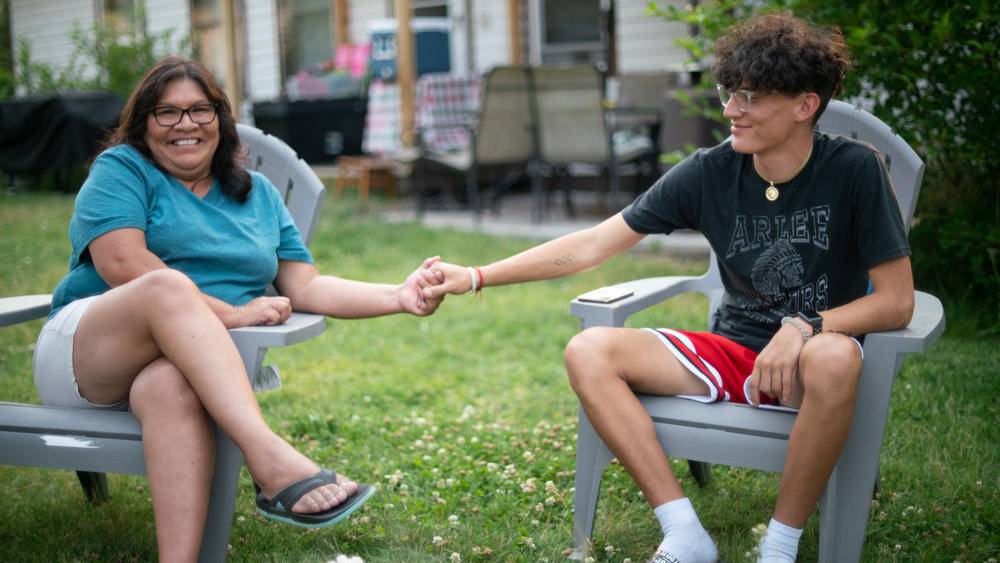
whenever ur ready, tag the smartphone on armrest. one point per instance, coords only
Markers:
(606, 295)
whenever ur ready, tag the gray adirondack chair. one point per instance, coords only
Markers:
(92, 442)
(756, 438)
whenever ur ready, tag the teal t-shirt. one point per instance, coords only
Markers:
(229, 249)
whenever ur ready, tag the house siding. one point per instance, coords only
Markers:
(491, 39)
(263, 67)
(645, 42)
(47, 25)
(169, 15)
(360, 13)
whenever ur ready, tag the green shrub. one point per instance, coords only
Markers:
(929, 70)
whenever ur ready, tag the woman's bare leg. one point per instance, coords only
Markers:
(179, 446)
(162, 314)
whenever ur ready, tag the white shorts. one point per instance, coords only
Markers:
(53, 360)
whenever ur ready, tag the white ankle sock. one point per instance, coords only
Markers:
(780, 544)
(684, 538)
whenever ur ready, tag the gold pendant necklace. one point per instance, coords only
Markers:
(771, 192)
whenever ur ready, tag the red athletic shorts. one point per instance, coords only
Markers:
(722, 364)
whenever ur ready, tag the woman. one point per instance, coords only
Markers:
(799, 222)
(173, 244)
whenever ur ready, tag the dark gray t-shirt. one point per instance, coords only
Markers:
(808, 250)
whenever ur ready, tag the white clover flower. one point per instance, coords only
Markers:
(550, 487)
(529, 485)
(609, 549)
(341, 558)
(550, 501)
(474, 440)
(455, 557)
(491, 467)
(437, 541)
(460, 440)
(528, 542)
(453, 520)
(418, 443)
(466, 413)
(395, 477)
(528, 456)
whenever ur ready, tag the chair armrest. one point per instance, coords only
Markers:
(648, 292)
(924, 329)
(253, 342)
(23, 308)
(298, 328)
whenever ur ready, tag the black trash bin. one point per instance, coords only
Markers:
(319, 130)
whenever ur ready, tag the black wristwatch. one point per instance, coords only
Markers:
(813, 318)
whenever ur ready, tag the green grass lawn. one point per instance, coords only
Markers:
(466, 424)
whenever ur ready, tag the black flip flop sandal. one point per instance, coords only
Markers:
(279, 506)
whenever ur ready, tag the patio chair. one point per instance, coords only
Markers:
(92, 442)
(639, 107)
(494, 139)
(572, 129)
(758, 438)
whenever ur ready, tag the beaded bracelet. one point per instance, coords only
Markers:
(474, 278)
(798, 324)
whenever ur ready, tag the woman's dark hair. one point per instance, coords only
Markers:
(782, 53)
(131, 128)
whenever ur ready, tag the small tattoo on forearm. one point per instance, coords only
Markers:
(563, 260)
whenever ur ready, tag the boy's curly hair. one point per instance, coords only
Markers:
(782, 53)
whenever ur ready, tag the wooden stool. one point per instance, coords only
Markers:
(370, 173)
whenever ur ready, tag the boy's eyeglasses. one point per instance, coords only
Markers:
(741, 97)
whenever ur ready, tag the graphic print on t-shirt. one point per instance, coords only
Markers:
(777, 285)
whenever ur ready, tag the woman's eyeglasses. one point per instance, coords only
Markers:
(168, 116)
